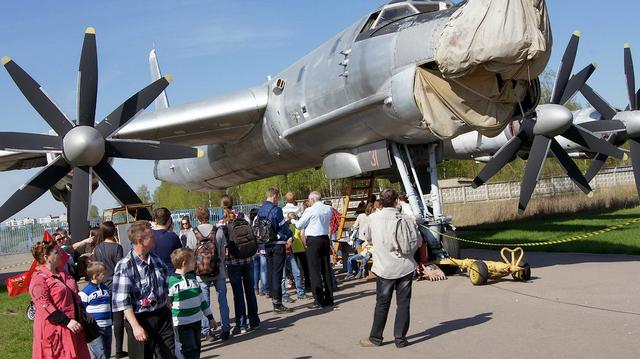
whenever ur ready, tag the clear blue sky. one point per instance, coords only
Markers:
(213, 47)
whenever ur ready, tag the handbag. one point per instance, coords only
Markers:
(89, 325)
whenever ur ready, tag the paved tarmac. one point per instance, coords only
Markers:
(575, 306)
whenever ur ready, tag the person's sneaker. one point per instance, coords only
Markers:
(225, 336)
(367, 343)
(288, 300)
(303, 297)
(349, 276)
(253, 327)
(238, 330)
(121, 354)
(314, 305)
(402, 344)
(278, 309)
(360, 275)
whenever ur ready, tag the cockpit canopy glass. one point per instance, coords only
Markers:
(399, 9)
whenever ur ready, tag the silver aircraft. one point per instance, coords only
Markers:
(386, 94)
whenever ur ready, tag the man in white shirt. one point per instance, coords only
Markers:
(315, 222)
(393, 267)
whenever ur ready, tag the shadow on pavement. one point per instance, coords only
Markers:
(279, 323)
(547, 259)
(449, 326)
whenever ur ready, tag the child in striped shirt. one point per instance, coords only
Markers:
(188, 304)
(96, 300)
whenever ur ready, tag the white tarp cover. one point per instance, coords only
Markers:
(487, 55)
(474, 102)
(510, 37)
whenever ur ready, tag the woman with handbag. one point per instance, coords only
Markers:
(57, 332)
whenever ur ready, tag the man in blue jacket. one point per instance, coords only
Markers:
(275, 248)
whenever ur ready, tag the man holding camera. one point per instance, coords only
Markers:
(140, 290)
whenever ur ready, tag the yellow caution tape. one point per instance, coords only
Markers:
(16, 265)
(535, 244)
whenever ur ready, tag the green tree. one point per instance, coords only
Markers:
(143, 193)
(94, 212)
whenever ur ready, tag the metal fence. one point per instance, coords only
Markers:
(610, 177)
(20, 240)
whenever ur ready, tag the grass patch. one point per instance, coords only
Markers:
(625, 240)
(16, 331)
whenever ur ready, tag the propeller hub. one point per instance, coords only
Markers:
(631, 120)
(552, 120)
(83, 146)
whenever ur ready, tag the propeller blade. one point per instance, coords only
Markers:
(592, 143)
(499, 160)
(128, 109)
(631, 77)
(30, 142)
(118, 187)
(603, 126)
(537, 155)
(88, 80)
(566, 67)
(598, 102)
(35, 188)
(577, 81)
(596, 165)
(79, 207)
(635, 161)
(38, 98)
(570, 167)
(148, 150)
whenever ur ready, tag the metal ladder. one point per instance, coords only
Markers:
(360, 190)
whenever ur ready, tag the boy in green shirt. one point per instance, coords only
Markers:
(188, 304)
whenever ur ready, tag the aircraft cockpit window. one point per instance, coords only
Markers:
(392, 13)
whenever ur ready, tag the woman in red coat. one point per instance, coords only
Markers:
(56, 332)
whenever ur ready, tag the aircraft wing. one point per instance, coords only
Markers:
(21, 160)
(217, 120)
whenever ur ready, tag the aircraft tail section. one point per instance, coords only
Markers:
(162, 101)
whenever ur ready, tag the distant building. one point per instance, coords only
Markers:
(47, 221)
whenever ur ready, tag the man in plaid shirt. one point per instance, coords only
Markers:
(140, 290)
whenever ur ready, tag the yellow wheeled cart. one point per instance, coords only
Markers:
(481, 271)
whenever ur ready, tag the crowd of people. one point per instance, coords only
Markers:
(159, 291)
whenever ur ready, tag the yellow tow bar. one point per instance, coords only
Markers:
(480, 271)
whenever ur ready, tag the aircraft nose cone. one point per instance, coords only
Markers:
(552, 120)
(83, 146)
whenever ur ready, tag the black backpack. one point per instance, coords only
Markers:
(241, 242)
(264, 231)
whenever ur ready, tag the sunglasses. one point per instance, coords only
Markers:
(185, 223)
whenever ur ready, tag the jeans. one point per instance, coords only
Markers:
(118, 329)
(384, 293)
(241, 278)
(159, 327)
(188, 336)
(260, 282)
(221, 290)
(353, 261)
(320, 271)
(101, 346)
(290, 264)
(275, 266)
